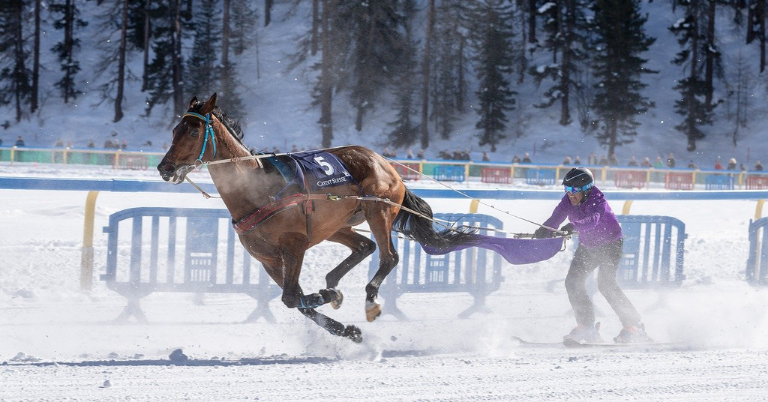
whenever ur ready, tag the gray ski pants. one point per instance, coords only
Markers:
(585, 261)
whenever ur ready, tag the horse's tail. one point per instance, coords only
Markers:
(416, 223)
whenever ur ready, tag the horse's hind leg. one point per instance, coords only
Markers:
(361, 247)
(381, 225)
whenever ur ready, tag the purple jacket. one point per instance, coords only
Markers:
(593, 219)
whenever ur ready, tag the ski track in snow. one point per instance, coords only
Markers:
(59, 343)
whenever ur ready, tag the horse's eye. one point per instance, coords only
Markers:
(194, 131)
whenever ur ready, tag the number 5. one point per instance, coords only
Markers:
(327, 168)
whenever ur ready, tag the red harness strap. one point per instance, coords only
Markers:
(257, 217)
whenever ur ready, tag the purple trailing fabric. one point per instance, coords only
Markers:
(515, 251)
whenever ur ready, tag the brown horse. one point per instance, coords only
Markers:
(277, 221)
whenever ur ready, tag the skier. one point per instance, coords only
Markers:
(600, 244)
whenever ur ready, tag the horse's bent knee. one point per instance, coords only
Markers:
(389, 262)
(367, 247)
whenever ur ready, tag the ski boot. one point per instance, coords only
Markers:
(584, 334)
(633, 334)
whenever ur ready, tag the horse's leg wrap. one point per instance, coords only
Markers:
(324, 296)
(311, 301)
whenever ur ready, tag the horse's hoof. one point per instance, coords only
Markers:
(339, 299)
(352, 332)
(372, 310)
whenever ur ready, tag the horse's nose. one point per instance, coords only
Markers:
(166, 170)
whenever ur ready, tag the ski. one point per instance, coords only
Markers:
(524, 343)
(570, 343)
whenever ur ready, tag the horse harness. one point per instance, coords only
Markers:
(304, 200)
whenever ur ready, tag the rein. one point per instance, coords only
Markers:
(474, 199)
(209, 131)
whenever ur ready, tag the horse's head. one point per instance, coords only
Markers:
(193, 140)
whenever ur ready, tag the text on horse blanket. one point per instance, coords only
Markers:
(325, 168)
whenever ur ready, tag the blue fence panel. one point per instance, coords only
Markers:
(475, 271)
(653, 254)
(540, 177)
(757, 262)
(719, 182)
(653, 251)
(450, 173)
(143, 260)
(200, 253)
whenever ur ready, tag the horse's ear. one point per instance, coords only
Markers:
(192, 102)
(210, 104)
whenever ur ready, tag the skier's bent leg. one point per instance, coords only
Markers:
(606, 284)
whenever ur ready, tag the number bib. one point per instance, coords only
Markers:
(326, 169)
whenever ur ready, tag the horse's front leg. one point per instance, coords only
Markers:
(287, 277)
(327, 323)
(314, 300)
(332, 326)
(292, 249)
(292, 256)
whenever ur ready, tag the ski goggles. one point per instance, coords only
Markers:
(574, 190)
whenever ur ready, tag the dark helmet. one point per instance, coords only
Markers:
(578, 179)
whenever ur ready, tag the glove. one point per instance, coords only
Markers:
(542, 233)
(567, 229)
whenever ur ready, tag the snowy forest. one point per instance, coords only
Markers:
(433, 63)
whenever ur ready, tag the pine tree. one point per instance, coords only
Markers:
(756, 28)
(34, 101)
(244, 18)
(712, 60)
(618, 67)
(692, 104)
(239, 15)
(202, 67)
(377, 46)
(742, 94)
(113, 47)
(565, 27)
(15, 76)
(137, 26)
(159, 73)
(449, 89)
(531, 9)
(164, 72)
(492, 38)
(68, 21)
(405, 131)
(426, 70)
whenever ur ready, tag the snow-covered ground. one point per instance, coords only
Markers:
(59, 343)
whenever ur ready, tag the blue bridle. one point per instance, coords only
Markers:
(208, 130)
